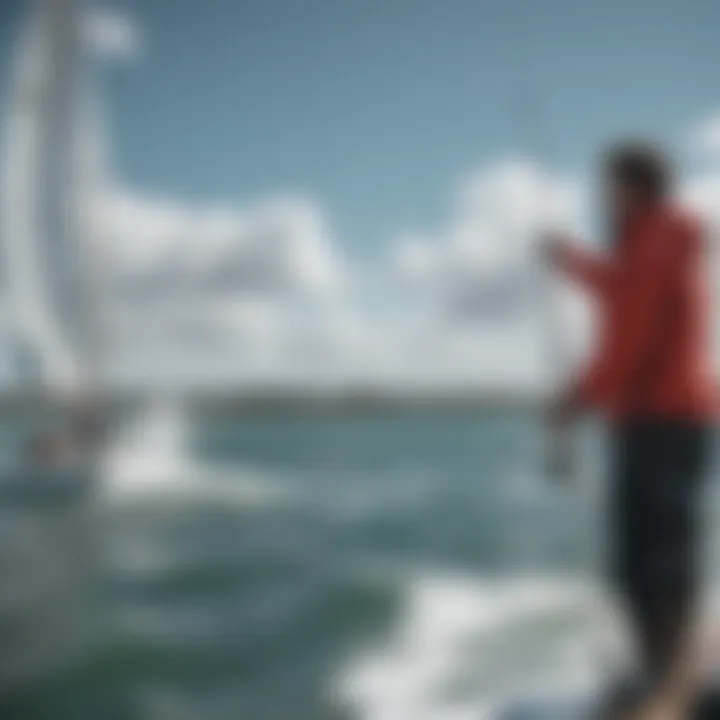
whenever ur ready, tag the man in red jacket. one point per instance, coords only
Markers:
(651, 378)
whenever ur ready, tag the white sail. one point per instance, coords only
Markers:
(44, 266)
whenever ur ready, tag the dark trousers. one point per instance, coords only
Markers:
(655, 532)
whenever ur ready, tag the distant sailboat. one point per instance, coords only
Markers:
(49, 284)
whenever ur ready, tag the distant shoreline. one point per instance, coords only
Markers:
(276, 400)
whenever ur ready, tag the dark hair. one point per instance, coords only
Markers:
(642, 165)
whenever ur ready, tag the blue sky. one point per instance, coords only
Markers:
(378, 107)
(374, 141)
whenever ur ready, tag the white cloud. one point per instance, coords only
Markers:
(478, 278)
(702, 192)
(262, 284)
(113, 34)
(276, 247)
(704, 138)
(482, 268)
(268, 285)
(701, 189)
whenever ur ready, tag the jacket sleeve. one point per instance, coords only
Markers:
(589, 269)
(637, 299)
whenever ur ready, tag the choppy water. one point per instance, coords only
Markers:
(397, 567)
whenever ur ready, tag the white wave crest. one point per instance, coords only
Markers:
(152, 458)
(464, 646)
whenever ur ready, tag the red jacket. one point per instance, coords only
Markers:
(653, 359)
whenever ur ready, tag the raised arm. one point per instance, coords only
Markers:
(591, 270)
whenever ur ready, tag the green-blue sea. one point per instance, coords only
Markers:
(376, 565)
